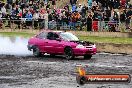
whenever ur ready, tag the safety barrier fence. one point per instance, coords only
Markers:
(23, 23)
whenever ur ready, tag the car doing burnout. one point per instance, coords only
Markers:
(60, 43)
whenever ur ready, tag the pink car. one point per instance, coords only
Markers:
(60, 43)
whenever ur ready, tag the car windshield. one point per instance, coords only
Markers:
(68, 36)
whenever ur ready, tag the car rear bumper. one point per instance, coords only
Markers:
(84, 51)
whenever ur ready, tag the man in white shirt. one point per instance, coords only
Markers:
(79, 9)
(36, 15)
(0, 15)
(3, 10)
(35, 19)
(94, 3)
(46, 20)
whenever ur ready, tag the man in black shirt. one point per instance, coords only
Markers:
(128, 18)
(84, 9)
(89, 22)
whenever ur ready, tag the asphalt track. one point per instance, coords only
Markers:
(57, 72)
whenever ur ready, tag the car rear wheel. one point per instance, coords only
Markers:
(36, 52)
(69, 53)
(87, 56)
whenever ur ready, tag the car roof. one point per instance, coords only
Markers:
(57, 31)
(52, 31)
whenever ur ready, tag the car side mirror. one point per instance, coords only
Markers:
(58, 39)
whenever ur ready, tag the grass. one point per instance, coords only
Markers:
(94, 39)
(107, 39)
(23, 34)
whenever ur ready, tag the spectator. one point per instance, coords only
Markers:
(94, 3)
(128, 17)
(8, 8)
(73, 2)
(54, 3)
(63, 19)
(90, 4)
(122, 16)
(10, 1)
(36, 17)
(115, 16)
(43, 13)
(73, 20)
(41, 19)
(89, 22)
(3, 10)
(77, 16)
(79, 9)
(46, 20)
(74, 7)
(67, 8)
(116, 4)
(84, 9)
(45, 2)
(29, 19)
(123, 3)
(47, 6)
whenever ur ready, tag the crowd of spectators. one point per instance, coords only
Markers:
(39, 13)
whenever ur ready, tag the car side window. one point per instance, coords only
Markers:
(42, 35)
(52, 36)
(55, 36)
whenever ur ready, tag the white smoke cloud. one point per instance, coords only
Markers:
(14, 46)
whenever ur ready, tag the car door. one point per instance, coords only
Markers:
(58, 44)
(41, 41)
(52, 44)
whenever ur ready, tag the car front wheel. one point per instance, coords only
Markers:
(69, 53)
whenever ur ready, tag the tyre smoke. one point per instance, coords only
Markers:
(14, 46)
